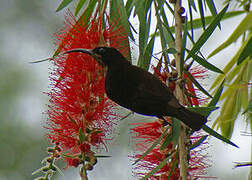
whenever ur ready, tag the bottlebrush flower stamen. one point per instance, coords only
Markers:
(80, 116)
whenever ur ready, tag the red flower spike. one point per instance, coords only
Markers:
(147, 133)
(84, 147)
(77, 97)
(73, 162)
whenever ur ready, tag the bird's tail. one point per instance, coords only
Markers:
(192, 119)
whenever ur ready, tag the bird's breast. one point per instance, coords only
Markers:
(116, 87)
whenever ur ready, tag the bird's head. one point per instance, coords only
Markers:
(105, 56)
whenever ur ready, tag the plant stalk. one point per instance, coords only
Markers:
(183, 138)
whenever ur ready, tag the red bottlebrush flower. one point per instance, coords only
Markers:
(75, 162)
(145, 135)
(197, 72)
(80, 114)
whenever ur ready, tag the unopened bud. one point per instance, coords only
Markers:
(172, 1)
(183, 19)
(93, 160)
(181, 10)
(89, 167)
(173, 63)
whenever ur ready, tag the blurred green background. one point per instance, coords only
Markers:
(26, 34)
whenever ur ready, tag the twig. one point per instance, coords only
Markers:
(183, 138)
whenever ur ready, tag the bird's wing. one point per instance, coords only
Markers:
(148, 93)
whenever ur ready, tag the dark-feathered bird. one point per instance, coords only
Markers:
(139, 90)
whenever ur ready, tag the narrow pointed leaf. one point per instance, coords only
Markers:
(127, 115)
(191, 18)
(102, 156)
(196, 83)
(216, 96)
(183, 48)
(202, 16)
(192, 4)
(245, 24)
(152, 146)
(205, 111)
(148, 54)
(162, 164)
(81, 135)
(211, 6)
(175, 130)
(39, 61)
(228, 116)
(162, 35)
(166, 142)
(174, 163)
(206, 64)
(249, 108)
(197, 22)
(63, 4)
(197, 143)
(129, 6)
(246, 52)
(79, 6)
(218, 136)
(207, 33)
(173, 137)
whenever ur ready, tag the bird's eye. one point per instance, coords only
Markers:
(101, 50)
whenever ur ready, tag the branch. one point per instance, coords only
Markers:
(183, 148)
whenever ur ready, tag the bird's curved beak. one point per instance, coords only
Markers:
(87, 51)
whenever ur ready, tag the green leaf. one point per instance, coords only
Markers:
(211, 6)
(127, 115)
(183, 49)
(245, 24)
(217, 95)
(153, 171)
(173, 137)
(119, 11)
(201, 10)
(191, 17)
(206, 64)
(171, 51)
(207, 33)
(162, 35)
(169, 38)
(197, 143)
(196, 23)
(174, 163)
(196, 83)
(102, 156)
(79, 6)
(152, 146)
(142, 9)
(63, 4)
(81, 135)
(218, 136)
(229, 113)
(147, 54)
(166, 142)
(205, 111)
(249, 108)
(246, 52)
(129, 6)
(175, 130)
